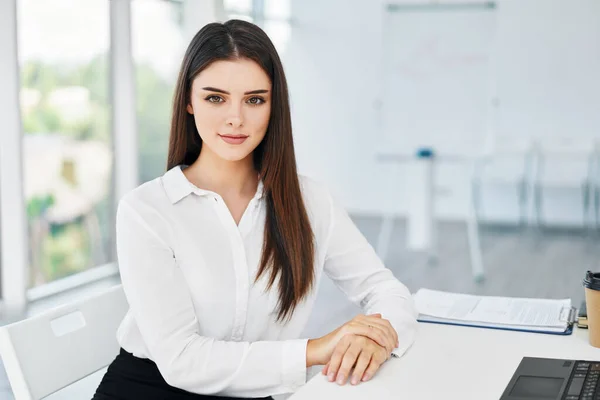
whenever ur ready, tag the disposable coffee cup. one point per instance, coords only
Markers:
(591, 283)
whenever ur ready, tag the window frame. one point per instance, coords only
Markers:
(15, 294)
(13, 224)
(14, 284)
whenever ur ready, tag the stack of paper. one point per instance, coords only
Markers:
(535, 315)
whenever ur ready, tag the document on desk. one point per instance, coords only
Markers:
(526, 314)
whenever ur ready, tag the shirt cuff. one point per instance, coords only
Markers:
(400, 350)
(406, 331)
(294, 363)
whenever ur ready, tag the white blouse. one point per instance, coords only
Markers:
(188, 273)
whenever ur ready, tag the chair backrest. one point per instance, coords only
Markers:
(565, 161)
(566, 146)
(508, 145)
(50, 351)
(506, 158)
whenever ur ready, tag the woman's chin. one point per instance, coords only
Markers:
(234, 156)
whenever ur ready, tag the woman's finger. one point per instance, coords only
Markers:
(388, 324)
(390, 340)
(361, 366)
(372, 332)
(377, 320)
(336, 358)
(348, 362)
(384, 324)
(325, 368)
(375, 323)
(377, 359)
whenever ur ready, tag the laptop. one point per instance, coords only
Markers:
(554, 379)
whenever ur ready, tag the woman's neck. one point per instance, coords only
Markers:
(227, 178)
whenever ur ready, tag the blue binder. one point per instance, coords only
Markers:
(571, 318)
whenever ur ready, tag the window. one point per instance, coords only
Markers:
(239, 9)
(67, 144)
(277, 23)
(158, 46)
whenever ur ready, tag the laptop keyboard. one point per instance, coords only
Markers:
(584, 383)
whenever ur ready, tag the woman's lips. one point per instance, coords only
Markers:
(234, 139)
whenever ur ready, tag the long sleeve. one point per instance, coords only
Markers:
(351, 262)
(161, 304)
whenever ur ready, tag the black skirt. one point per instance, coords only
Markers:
(133, 378)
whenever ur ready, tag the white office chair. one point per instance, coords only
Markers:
(564, 162)
(507, 161)
(53, 350)
(596, 182)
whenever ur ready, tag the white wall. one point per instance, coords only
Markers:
(333, 66)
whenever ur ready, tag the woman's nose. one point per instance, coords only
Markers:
(234, 119)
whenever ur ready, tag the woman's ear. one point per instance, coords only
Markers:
(190, 109)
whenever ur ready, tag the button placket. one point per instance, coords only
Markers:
(243, 287)
(240, 267)
(248, 219)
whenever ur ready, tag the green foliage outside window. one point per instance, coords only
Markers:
(58, 250)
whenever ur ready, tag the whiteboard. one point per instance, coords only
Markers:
(437, 77)
(548, 68)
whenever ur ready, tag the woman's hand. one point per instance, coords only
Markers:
(379, 330)
(359, 352)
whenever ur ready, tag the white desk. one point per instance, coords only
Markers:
(451, 362)
(422, 230)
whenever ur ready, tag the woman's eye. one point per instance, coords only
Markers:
(214, 99)
(255, 101)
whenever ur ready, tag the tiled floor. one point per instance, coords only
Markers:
(517, 263)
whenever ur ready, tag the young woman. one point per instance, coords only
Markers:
(221, 257)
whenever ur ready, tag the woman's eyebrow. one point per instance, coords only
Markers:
(212, 89)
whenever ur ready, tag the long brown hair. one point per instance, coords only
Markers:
(288, 248)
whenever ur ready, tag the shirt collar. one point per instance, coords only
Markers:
(178, 187)
(259, 189)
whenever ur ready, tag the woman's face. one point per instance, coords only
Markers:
(231, 104)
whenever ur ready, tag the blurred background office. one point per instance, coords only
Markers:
(462, 137)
